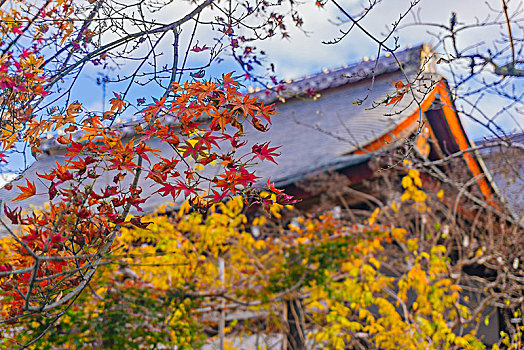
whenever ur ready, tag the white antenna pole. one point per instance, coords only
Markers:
(222, 321)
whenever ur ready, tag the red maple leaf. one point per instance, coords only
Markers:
(199, 49)
(282, 197)
(49, 177)
(399, 94)
(175, 190)
(264, 152)
(271, 187)
(217, 197)
(234, 140)
(13, 215)
(74, 149)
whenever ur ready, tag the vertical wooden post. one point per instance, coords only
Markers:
(295, 322)
(222, 320)
(286, 327)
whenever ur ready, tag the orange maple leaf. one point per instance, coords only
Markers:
(228, 81)
(395, 99)
(73, 109)
(117, 103)
(27, 192)
(222, 118)
(247, 105)
(67, 27)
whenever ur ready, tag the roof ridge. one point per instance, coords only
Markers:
(515, 136)
(311, 85)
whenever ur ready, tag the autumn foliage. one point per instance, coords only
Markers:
(88, 269)
(50, 254)
(162, 285)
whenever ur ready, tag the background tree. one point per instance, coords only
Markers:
(482, 62)
(368, 285)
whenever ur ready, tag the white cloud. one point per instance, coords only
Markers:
(6, 178)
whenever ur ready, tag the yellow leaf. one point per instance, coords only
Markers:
(407, 182)
(414, 173)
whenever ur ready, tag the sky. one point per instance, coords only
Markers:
(304, 54)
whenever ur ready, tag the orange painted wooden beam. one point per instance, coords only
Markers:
(404, 126)
(408, 125)
(462, 141)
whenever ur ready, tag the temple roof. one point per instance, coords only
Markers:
(338, 128)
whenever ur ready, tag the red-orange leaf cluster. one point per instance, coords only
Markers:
(61, 241)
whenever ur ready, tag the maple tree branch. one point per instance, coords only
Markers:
(86, 24)
(29, 24)
(51, 323)
(127, 39)
(16, 272)
(86, 278)
(188, 48)
(68, 272)
(510, 35)
(473, 149)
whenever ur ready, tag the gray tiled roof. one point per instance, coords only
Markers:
(506, 168)
(312, 134)
(316, 134)
(327, 78)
